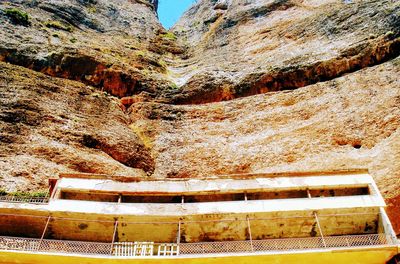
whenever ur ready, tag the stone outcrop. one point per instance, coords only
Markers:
(235, 87)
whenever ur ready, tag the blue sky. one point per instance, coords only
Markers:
(169, 11)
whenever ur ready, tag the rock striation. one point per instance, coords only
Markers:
(112, 45)
(242, 48)
(236, 87)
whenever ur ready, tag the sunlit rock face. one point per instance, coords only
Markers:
(116, 46)
(51, 125)
(349, 122)
(239, 86)
(241, 48)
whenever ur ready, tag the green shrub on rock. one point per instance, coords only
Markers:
(18, 16)
(58, 25)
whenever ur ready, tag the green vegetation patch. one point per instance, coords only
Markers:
(58, 25)
(38, 194)
(92, 10)
(162, 63)
(140, 53)
(173, 86)
(18, 16)
(169, 35)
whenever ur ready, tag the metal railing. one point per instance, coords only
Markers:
(144, 249)
(56, 246)
(24, 199)
(285, 244)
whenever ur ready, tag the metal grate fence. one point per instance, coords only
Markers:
(132, 249)
(288, 244)
(24, 199)
(78, 247)
(58, 246)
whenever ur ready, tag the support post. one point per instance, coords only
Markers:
(48, 194)
(113, 238)
(250, 236)
(44, 231)
(308, 193)
(54, 190)
(178, 239)
(320, 229)
(45, 228)
(245, 196)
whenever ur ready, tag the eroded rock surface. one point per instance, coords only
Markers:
(50, 125)
(349, 122)
(346, 122)
(242, 48)
(116, 46)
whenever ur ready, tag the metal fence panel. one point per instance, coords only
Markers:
(172, 249)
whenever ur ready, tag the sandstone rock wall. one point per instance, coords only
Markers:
(252, 47)
(115, 46)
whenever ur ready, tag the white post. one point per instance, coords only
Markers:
(44, 232)
(178, 239)
(113, 238)
(320, 229)
(251, 237)
(45, 228)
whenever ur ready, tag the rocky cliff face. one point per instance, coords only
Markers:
(242, 48)
(239, 86)
(117, 46)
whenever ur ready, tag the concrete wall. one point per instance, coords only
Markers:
(214, 186)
